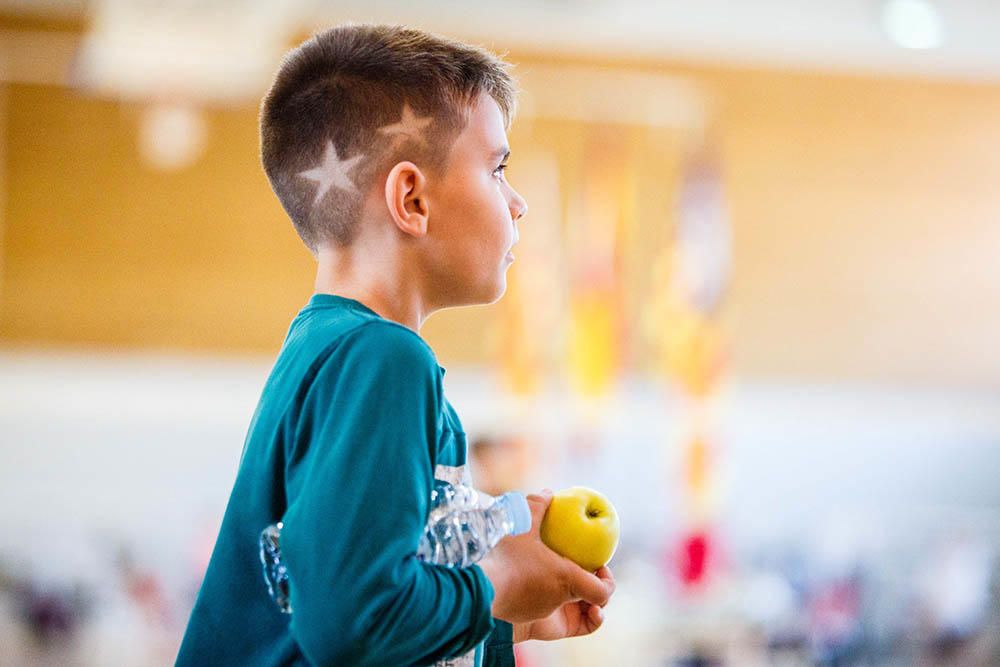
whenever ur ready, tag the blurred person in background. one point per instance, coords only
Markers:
(499, 463)
(954, 602)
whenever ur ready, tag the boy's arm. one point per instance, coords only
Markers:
(359, 475)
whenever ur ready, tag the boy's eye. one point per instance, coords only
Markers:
(500, 169)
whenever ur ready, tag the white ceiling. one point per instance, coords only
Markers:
(839, 35)
(826, 34)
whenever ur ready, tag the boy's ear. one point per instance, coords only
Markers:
(406, 198)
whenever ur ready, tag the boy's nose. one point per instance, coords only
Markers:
(518, 207)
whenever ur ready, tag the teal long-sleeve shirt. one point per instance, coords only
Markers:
(351, 429)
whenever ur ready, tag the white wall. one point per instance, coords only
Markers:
(96, 449)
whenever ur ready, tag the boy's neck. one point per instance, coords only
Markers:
(376, 279)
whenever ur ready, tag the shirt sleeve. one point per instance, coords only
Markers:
(359, 475)
(499, 648)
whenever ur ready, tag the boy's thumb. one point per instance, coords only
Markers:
(539, 503)
(544, 496)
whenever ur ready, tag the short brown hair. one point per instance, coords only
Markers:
(342, 85)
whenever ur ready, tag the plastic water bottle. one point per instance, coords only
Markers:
(462, 526)
(275, 572)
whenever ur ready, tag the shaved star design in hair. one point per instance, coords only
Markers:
(332, 172)
(410, 126)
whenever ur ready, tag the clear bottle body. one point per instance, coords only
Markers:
(465, 534)
(463, 525)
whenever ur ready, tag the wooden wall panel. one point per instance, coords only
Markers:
(865, 213)
(102, 250)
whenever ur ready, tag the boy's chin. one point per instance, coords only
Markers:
(499, 289)
(489, 294)
(481, 295)
(499, 294)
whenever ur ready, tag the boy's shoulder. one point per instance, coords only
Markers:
(336, 326)
(379, 339)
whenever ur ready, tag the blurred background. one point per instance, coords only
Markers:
(756, 302)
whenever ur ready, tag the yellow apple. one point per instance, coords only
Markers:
(582, 525)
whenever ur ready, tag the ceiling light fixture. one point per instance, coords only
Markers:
(913, 24)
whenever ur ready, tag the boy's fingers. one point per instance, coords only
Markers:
(587, 587)
(605, 575)
(596, 616)
(592, 618)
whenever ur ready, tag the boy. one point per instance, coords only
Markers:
(386, 147)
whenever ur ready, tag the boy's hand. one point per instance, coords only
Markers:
(573, 619)
(533, 583)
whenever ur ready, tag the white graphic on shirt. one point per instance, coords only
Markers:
(454, 475)
(332, 172)
(409, 127)
(467, 660)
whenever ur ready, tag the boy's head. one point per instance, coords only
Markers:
(387, 122)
